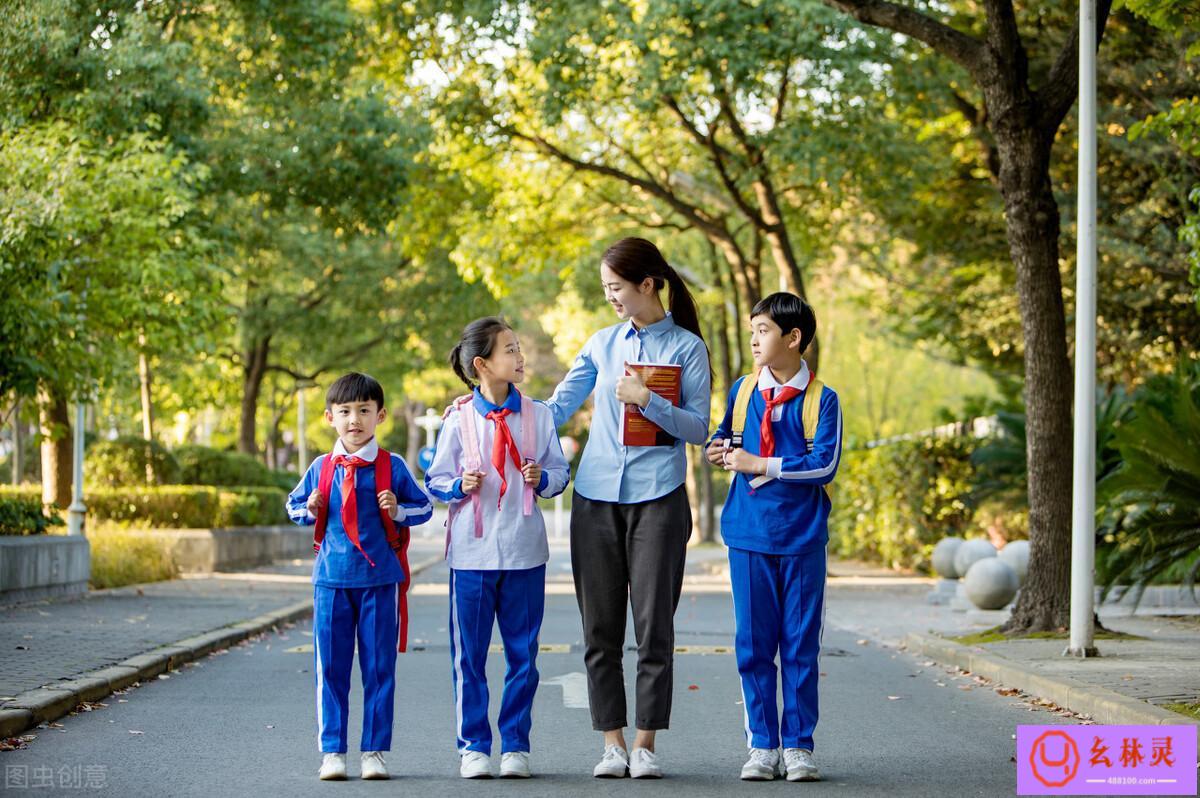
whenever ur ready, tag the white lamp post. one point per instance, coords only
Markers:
(1083, 531)
(77, 512)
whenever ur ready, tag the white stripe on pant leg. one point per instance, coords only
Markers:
(320, 682)
(456, 636)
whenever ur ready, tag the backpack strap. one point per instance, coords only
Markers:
(324, 487)
(811, 415)
(397, 538)
(740, 405)
(472, 461)
(528, 446)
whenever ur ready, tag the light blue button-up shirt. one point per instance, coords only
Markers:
(610, 471)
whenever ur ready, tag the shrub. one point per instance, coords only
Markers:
(188, 506)
(124, 461)
(123, 558)
(1150, 519)
(893, 503)
(21, 512)
(203, 465)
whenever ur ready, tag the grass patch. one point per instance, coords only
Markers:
(122, 558)
(993, 635)
(1191, 710)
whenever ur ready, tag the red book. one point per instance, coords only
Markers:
(664, 379)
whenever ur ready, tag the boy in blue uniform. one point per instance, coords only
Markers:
(782, 438)
(360, 570)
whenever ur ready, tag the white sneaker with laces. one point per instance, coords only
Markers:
(613, 765)
(373, 766)
(763, 765)
(800, 765)
(333, 768)
(475, 765)
(514, 765)
(643, 764)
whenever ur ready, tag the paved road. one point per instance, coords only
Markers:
(241, 722)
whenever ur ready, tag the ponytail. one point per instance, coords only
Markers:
(456, 364)
(682, 304)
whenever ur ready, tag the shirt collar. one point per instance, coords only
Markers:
(657, 328)
(767, 381)
(483, 406)
(368, 452)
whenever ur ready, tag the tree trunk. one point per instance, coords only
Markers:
(252, 379)
(708, 516)
(1032, 220)
(56, 448)
(144, 379)
(18, 455)
(412, 434)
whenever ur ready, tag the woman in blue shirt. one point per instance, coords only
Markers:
(630, 518)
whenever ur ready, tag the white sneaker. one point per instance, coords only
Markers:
(514, 765)
(373, 766)
(333, 768)
(643, 764)
(613, 765)
(800, 765)
(475, 765)
(763, 765)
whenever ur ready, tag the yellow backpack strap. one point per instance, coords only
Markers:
(812, 412)
(740, 405)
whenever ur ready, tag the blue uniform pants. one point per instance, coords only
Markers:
(342, 616)
(478, 599)
(778, 604)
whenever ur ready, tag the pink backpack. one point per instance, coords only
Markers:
(473, 458)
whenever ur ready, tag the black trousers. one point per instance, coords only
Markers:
(621, 555)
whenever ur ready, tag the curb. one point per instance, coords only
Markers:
(1102, 704)
(52, 701)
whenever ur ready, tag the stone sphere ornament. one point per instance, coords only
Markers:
(990, 583)
(1016, 555)
(943, 557)
(970, 552)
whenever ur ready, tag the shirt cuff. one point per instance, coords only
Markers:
(655, 408)
(308, 515)
(396, 512)
(774, 467)
(543, 482)
(458, 491)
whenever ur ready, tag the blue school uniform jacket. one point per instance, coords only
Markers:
(338, 563)
(790, 513)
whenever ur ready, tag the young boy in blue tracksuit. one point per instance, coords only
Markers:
(360, 571)
(497, 452)
(775, 523)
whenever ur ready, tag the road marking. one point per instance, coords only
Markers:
(544, 648)
(574, 687)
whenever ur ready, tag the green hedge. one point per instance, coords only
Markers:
(120, 462)
(893, 503)
(203, 465)
(188, 506)
(21, 512)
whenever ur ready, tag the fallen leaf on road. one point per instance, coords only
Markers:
(693, 687)
(940, 684)
(862, 642)
(824, 674)
(270, 727)
(163, 676)
(965, 687)
(893, 698)
(135, 731)
(122, 700)
(1007, 691)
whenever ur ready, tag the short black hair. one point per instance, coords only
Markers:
(790, 312)
(354, 387)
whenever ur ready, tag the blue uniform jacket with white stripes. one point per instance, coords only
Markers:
(338, 563)
(790, 513)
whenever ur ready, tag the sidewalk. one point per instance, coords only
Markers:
(1128, 683)
(59, 653)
